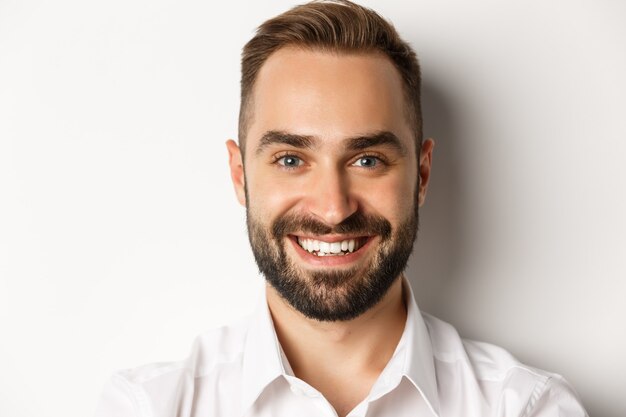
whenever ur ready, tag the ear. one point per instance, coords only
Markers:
(426, 157)
(235, 162)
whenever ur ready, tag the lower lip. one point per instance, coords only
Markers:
(330, 260)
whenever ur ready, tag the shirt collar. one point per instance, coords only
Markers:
(263, 363)
(419, 363)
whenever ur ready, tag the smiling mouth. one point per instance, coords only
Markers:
(339, 248)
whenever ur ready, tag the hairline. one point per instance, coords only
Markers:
(246, 113)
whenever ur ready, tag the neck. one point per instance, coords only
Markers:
(322, 353)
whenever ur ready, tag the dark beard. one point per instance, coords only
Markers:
(338, 295)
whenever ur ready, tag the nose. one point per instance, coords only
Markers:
(329, 197)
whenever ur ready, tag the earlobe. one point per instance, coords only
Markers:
(235, 161)
(426, 154)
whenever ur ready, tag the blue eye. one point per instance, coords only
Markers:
(367, 161)
(289, 161)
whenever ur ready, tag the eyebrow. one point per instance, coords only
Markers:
(278, 137)
(382, 138)
(358, 143)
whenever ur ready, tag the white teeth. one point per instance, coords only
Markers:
(321, 248)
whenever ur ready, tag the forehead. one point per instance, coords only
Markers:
(328, 95)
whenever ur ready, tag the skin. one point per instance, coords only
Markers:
(331, 98)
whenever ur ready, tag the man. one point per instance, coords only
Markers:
(331, 167)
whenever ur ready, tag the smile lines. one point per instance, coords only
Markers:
(321, 248)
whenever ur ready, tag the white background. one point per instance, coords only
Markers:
(120, 237)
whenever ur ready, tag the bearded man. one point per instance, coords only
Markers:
(332, 169)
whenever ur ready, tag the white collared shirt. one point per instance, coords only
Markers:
(242, 371)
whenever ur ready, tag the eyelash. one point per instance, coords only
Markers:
(379, 158)
(280, 156)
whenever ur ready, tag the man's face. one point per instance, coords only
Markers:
(331, 179)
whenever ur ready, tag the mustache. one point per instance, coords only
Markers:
(357, 224)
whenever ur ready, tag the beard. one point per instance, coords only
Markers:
(339, 294)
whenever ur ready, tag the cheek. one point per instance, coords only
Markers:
(391, 195)
(270, 196)
(393, 198)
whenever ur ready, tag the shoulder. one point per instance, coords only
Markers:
(505, 386)
(211, 350)
(171, 385)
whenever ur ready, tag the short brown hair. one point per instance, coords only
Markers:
(334, 26)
